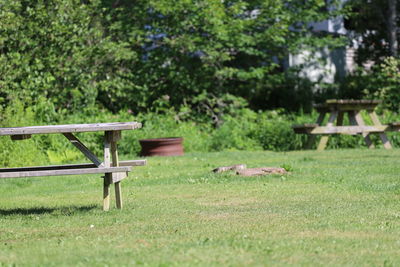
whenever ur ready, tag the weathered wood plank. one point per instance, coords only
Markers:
(79, 171)
(79, 145)
(70, 128)
(139, 162)
(49, 168)
(304, 128)
(339, 121)
(351, 130)
(395, 126)
(344, 107)
(125, 163)
(311, 138)
(117, 177)
(353, 101)
(106, 193)
(113, 138)
(383, 137)
(324, 139)
(347, 105)
(360, 121)
(107, 177)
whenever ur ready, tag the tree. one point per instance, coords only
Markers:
(375, 24)
(189, 47)
(56, 50)
(392, 28)
(134, 54)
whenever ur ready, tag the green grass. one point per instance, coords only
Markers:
(335, 208)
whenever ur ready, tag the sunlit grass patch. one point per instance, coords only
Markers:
(334, 207)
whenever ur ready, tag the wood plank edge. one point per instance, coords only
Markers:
(24, 174)
(140, 162)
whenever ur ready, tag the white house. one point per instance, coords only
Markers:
(326, 65)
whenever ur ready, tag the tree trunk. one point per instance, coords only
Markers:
(392, 27)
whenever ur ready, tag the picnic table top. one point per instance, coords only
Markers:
(352, 101)
(347, 104)
(70, 128)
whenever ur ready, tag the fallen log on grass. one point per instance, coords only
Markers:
(236, 167)
(261, 171)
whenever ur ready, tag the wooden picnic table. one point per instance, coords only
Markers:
(353, 108)
(113, 169)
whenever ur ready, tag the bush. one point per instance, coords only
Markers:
(381, 82)
(129, 54)
(274, 131)
(386, 84)
(18, 153)
(241, 129)
(236, 133)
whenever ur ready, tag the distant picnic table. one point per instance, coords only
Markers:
(353, 108)
(113, 169)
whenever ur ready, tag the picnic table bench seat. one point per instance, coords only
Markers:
(312, 128)
(69, 169)
(395, 126)
(304, 128)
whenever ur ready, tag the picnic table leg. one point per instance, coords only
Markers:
(384, 139)
(356, 119)
(311, 138)
(114, 153)
(324, 139)
(106, 192)
(107, 176)
(339, 121)
(111, 139)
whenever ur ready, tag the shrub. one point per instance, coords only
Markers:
(386, 84)
(236, 133)
(274, 132)
(242, 129)
(18, 153)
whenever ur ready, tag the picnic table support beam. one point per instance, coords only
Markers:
(340, 117)
(311, 138)
(324, 139)
(376, 121)
(79, 145)
(356, 119)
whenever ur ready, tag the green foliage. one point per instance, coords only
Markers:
(236, 133)
(56, 50)
(128, 55)
(241, 129)
(274, 132)
(369, 23)
(381, 82)
(19, 153)
(386, 84)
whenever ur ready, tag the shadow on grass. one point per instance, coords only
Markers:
(69, 210)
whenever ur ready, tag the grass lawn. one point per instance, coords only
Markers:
(335, 208)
